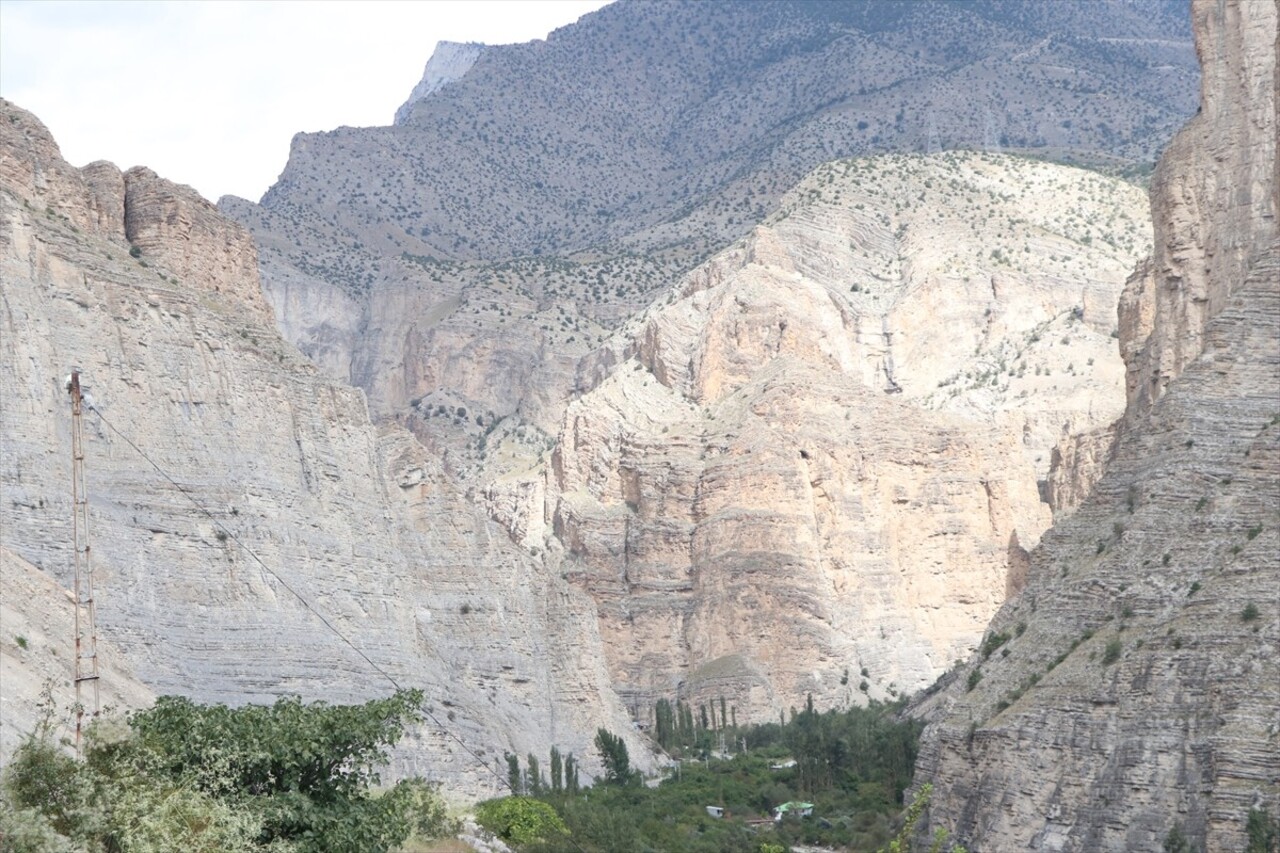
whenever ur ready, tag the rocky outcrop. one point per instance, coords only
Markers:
(274, 480)
(172, 227)
(1132, 687)
(448, 62)
(1219, 168)
(815, 466)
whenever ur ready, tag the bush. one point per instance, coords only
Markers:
(1263, 832)
(209, 779)
(1112, 652)
(994, 642)
(521, 820)
(1176, 842)
(1249, 613)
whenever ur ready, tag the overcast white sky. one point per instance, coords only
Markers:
(210, 93)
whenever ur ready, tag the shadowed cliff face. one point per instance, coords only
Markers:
(178, 351)
(1141, 684)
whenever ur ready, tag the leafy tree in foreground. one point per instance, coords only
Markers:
(181, 776)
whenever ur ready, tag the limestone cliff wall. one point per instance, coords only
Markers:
(37, 661)
(1137, 686)
(1213, 198)
(815, 466)
(180, 356)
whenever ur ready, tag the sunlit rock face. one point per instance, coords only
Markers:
(1140, 690)
(816, 465)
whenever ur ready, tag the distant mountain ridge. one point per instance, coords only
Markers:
(448, 63)
(646, 114)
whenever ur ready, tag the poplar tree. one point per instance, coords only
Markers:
(557, 771)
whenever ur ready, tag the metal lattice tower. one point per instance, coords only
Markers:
(85, 623)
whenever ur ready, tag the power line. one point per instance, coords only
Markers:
(390, 679)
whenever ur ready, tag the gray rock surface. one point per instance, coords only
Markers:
(180, 356)
(1133, 686)
(448, 62)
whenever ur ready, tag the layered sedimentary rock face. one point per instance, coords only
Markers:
(37, 658)
(1133, 686)
(179, 355)
(815, 466)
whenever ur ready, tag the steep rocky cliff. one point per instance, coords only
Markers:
(815, 466)
(180, 356)
(1133, 687)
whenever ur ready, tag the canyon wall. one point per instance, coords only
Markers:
(815, 466)
(1132, 688)
(274, 478)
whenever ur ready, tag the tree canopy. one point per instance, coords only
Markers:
(293, 776)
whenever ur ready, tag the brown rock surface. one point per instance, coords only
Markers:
(1138, 686)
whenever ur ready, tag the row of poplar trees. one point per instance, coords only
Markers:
(530, 781)
(677, 725)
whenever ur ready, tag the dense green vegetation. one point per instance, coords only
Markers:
(852, 765)
(290, 778)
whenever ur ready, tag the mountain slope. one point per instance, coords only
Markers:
(1137, 682)
(634, 143)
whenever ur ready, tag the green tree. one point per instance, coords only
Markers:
(557, 771)
(533, 776)
(571, 774)
(305, 770)
(211, 779)
(613, 753)
(514, 781)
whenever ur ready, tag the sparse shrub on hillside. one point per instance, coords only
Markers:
(1262, 832)
(1112, 652)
